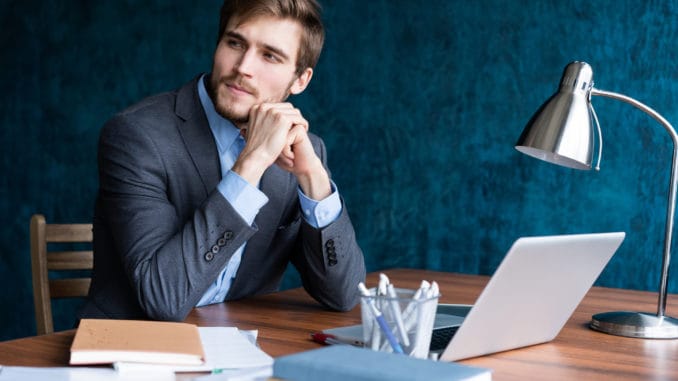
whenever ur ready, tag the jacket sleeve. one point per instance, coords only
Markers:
(170, 261)
(329, 260)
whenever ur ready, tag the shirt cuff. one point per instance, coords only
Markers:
(320, 213)
(246, 199)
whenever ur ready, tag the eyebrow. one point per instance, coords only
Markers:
(270, 48)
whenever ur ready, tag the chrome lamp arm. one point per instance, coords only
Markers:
(670, 212)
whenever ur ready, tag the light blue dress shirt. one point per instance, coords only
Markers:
(246, 199)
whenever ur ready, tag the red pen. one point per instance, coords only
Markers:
(329, 339)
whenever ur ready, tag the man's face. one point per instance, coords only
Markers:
(255, 62)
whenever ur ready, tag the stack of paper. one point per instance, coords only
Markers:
(226, 348)
(152, 348)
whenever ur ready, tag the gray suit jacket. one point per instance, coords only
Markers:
(163, 232)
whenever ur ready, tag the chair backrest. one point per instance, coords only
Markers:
(43, 262)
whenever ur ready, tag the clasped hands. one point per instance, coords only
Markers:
(278, 133)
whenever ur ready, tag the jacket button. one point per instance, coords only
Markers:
(228, 234)
(329, 243)
(215, 249)
(209, 256)
(221, 241)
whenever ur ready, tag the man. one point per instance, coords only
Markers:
(208, 192)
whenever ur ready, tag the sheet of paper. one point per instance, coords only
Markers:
(21, 373)
(248, 374)
(225, 348)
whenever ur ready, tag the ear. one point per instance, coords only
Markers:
(299, 84)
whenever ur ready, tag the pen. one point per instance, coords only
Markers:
(381, 291)
(425, 318)
(386, 307)
(434, 291)
(383, 282)
(395, 307)
(408, 318)
(375, 337)
(326, 338)
(380, 319)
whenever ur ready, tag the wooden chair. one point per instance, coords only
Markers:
(44, 261)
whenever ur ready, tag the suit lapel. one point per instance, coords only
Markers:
(197, 136)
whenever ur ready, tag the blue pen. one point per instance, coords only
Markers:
(380, 320)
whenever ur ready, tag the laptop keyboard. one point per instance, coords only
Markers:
(441, 337)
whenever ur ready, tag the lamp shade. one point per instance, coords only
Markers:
(561, 132)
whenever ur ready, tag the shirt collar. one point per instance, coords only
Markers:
(224, 131)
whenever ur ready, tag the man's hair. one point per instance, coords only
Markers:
(305, 12)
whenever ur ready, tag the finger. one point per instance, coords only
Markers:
(285, 108)
(298, 132)
(278, 104)
(266, 107)
(301, 125)
(284, 163)
(273, 109)
(254, 112)
(287, 153)
(287, 150)
(289, 118)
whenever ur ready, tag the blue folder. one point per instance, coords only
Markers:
(345, 362)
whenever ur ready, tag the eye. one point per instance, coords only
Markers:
(235, 44)
(271, 57)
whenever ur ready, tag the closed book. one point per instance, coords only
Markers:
(345, 362)
(106, 341)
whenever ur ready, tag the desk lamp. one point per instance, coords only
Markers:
(561, 132)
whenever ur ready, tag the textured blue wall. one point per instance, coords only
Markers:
(420, 106)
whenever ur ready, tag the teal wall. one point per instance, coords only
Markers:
(420, 106)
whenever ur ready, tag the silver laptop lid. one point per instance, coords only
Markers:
(533, 293)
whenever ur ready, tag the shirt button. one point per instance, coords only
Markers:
(209, 256)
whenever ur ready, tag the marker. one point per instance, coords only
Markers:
(380, 319)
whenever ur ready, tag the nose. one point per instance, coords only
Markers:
(245, 65)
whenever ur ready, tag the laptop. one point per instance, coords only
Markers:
(528, 300)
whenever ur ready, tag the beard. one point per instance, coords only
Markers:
(230, 113)
(230, 110)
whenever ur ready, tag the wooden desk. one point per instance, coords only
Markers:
(286, 319)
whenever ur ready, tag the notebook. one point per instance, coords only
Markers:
(106, 341)
(528, 300)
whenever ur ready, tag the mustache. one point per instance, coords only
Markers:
(240, 82)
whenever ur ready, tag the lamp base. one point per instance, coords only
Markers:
(636, 324)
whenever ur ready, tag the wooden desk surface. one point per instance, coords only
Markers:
(286, 319)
